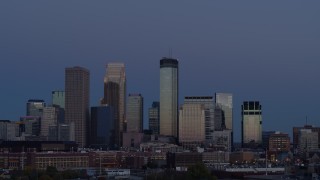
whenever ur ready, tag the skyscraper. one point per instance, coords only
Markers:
(208, 103)
(101, 128)
(135, 113)
(154, 114)
(58, 98)
(224, 101)
(251, 124)
(115, 96)
(169, 97)
(77, 86)
(35, 107)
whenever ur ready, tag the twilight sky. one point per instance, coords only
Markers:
(257, 50)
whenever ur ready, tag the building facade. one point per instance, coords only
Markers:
(279, 142)
(115, 96)
(251, 123)
(192, 125)
(135, 113)
(208, 103)
(77, 87)
(169, 97)
(102, 126)
(154, 118)
(35, 107)
(49, 118)
(58, 98)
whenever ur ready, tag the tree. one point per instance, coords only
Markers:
(199, 171)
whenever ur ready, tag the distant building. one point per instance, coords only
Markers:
(35, 107)
(265, 138)
(207, 102)
(224, 101)
(223, 139)
(77, 87)
(251, 124)
(169, 82)
(115, 96)
(279, 142)
(58, 98)
(308, 141)
(154, 118)
(58, 101)
(132, 139)
(29, 126)
(192, 125)
(218, 118)
(135, 113)
(8, 130)
(102, 126)
(50, 117)
(60, 132)
(296, 131)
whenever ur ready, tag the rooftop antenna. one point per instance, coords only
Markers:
(306, 120)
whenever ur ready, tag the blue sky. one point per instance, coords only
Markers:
(257, 50)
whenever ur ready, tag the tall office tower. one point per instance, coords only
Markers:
(135, 113)
(29, 126)
(115, 96)
(251, 124)
(169, 97)
(154, 118)
(224, 100)
(58, 98)
(218, 118)
(192, 125)
(77, 86)
(208, 103)
(9, 130)
(58, 101)
(49, 118)
(35, 107)
(102, 127)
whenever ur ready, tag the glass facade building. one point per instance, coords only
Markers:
(58, 98)
(251, 123)
(169, 97)
(224, 101)
(102, 127)
(115, 96)
(135, 113)
(154, 118)
(77, 84)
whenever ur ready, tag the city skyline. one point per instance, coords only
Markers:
(271, 56)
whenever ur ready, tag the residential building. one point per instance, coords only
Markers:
(77, 86)
(169, 97)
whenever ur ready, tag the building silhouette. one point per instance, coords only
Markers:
(115, 96)
(134, 113)
(77, 86)
(169, 97)
(251, 124)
